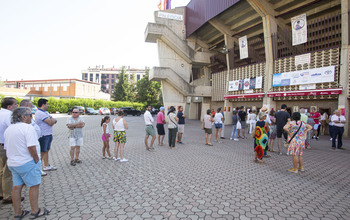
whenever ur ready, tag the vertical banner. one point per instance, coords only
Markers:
(243, 47)
(258, 82)
(299, 29)
(246, 84)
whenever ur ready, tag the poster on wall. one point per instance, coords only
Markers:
(299, 29)
(258, 83)
(245, 84)
(300, 77)
(243, 47)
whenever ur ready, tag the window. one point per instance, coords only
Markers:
(91, 77)
(138, 77)
(113, 76)
(55, 87)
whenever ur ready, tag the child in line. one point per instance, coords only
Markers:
(105, 137)
(119, 126)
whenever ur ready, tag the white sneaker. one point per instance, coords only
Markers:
(43, 173)
(230, 138)
(219, 142)
(49, 168)
(124, 160)
(236, 139)
(331, 139)
(280, 153)
(116, 159)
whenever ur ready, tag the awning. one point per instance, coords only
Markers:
(314, 92)
(245, 95)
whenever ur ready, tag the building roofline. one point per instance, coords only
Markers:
(51, 80)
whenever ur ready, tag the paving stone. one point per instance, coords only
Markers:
(193, 181)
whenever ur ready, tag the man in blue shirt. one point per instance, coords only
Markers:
(181, 124)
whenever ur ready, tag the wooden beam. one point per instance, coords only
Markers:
(220, 26)
(244, 21)
(283, 3)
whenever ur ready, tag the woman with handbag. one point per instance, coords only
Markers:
(172, 126)
(296, 130)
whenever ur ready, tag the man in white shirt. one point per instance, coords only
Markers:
(149, 128)
(338, 122)
(22, 150)
(8, 104)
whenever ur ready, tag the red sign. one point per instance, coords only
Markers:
(244, 96)
(315, 92)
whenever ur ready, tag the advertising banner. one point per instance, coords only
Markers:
(245, 84)
(300, 77)
(299, 29)
(243, 47)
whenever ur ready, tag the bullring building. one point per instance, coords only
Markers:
(253, 53)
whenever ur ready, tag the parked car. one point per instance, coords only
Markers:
(114, 111)
(80, 108)
(104, 111)
(130, 111)
(154, 111)
(90, 111)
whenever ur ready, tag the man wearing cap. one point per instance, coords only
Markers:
(160, 126)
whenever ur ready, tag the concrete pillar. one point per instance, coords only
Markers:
(343, 101)
(270, 27)
(228, 115)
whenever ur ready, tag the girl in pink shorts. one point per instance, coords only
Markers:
(105, 137)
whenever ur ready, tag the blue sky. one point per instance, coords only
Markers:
(47, 39)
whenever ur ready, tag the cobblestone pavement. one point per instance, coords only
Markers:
(193, 181)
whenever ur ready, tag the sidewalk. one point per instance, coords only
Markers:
(193, 181)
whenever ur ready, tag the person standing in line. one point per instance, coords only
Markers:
(296, 130)
(160, 126)
(323, 120)
(76, 138)
(218, 121)
(223, 127)
(268, 121)
(45, 122)
(311, 122)
(149, 128)
(8, 104)
(304, 118)
(235, 119)
(273, 130)
(330, 125)
(105, 137)
(242, 114)
(22, 150)
(261, 138)
(212, 113)
(252, 120)
(316, 116)
(27, 103)
(338, 130)
(181, 124)
(172, 126)
(282, 117)
(208, 123)
(120, 127)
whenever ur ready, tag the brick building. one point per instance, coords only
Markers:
(59, 88)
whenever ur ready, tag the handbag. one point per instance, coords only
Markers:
(239, 125)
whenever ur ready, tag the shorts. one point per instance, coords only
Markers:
(181, 128)
(243, 124)
(160, 129)
(104, 137)
(208, 130)
(28, 174)
(45, 143)
(280, 131)
(316, 126)
(76, 141)
(120, 136)
(150, 130)
(218, 126)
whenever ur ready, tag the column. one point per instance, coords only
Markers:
(343, 101)
(228, 114)
(270, 27)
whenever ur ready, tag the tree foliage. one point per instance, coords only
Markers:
(148, 91)
(123, 88)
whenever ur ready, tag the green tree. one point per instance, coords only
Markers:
(122, 89)
(148, 91)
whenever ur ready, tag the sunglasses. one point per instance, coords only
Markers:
(75, 112)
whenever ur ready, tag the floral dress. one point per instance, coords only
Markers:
(297, 145)
(261, 139)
